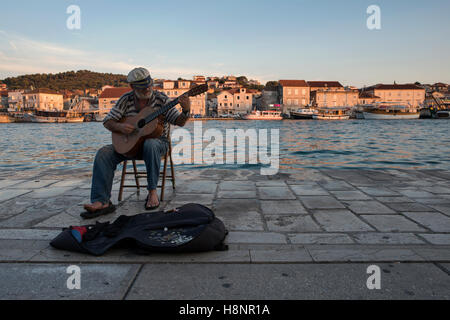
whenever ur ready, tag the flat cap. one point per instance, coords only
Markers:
(140, 78)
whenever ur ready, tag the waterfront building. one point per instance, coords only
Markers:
(175, 88)
(320, 85)
(293, 94)
(407, 94)
(334, 97)
(3, 99)
(440, 87)
(211, 105)
(16, 100)
(109, 97)
(199, 78)
(235, 101)
(366, 97)
(43, 100)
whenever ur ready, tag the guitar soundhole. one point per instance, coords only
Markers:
(141, 123)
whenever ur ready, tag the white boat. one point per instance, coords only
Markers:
(99, 117)
(263, 115)
(388, 111)
(306, 113)
(332, 113)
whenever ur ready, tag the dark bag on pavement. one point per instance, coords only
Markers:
(189, 228)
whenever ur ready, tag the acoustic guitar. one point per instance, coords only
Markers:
(148, 123)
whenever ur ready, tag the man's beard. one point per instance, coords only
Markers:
(143, 96)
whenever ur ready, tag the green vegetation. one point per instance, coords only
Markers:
(70, 80)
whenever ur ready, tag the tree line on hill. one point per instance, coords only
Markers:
(69, 80)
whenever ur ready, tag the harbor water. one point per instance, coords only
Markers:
(363, 144)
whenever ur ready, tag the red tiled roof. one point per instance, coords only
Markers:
(293, 83)
(396, 87)
(109, 93)
(328, 84)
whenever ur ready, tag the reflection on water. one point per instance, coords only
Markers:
(411, 144)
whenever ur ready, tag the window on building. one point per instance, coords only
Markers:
(296, 91)
(303, 91)
(247, 97)
(289, 91)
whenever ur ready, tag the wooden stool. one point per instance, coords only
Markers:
(143, 174)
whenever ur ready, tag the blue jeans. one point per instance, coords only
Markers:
(106, 162)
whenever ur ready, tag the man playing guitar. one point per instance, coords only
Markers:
(107, 158)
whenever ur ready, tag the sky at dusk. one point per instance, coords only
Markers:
(264, 40)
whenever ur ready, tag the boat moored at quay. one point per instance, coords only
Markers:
(332, 113)
(263, 115)
(389, 111)
(303, 113)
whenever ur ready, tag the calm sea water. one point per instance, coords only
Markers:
(407, 144)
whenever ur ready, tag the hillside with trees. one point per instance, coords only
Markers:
(70, 80)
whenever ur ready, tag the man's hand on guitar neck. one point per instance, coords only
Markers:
(185, 103)
(115, 126)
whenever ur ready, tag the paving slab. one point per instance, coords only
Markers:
(408, 206)
(436, 238)
(445, 209)
(319, 238)
(340, 220)
(197, 186)
(4, 183)
(432, 220)
(20, 250)
(321, 202)
(368, 207)
(255, 237)
(402, 199)
(434, 254)
(271, 183)
(34, 184)
(205, 199)
(49, 192)
(282, 207)
(350, 195)
(280, 256)
(378, 191)
(414, 193)
(289, 282)
(27, 234)
(7, 194)
(386, 238)
(241, 220)
(275, 193)
(237, 186)
(309, 190)
(236, 194)
(392, 223)
(336, 185)
(49, 281)
(291, 223)
(364, 254)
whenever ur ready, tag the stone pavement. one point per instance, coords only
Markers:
(300, 219)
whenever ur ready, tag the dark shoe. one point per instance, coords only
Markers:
(100, 212)
(150, 208)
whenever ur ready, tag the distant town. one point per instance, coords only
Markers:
(228, 97)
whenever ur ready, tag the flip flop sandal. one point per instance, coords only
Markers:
(150, 208)
(90, 215)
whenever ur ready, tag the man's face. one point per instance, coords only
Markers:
(143, 93)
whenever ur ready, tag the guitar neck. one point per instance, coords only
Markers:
(156, 114)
